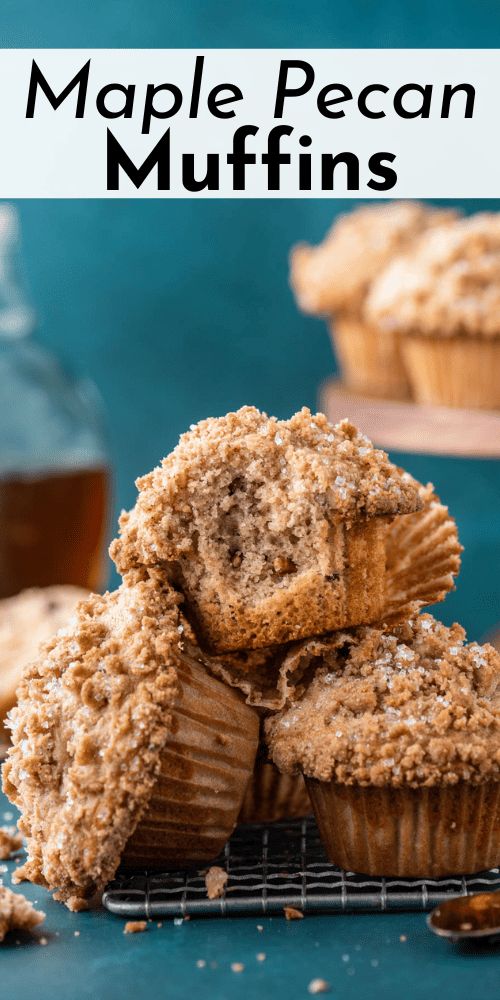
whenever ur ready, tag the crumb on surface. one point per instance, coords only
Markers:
(135, 926)
(291, 913)
(318, 986)
(17, 913)
(201, 963)
(216, 880)
(237, 967)
(261, 956)
(10, 842)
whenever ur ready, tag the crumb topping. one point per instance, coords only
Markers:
(290, 468)
(413, 705)
(336, 275)
(10, 842)
(93, 715)
(17, 913)
(448, 286)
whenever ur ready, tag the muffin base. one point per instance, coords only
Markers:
(205, 768)
(272, 796)
(454, 371)
(370, 360)
(409, 832)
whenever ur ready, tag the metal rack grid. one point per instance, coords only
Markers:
(270, 867)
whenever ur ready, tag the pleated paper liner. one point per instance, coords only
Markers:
(454, 371)
(409, 832)
(422, 559)
(370, 358)
(272, 796)
(205, 768)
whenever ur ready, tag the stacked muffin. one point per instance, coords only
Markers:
(273, 574)
(412, 296)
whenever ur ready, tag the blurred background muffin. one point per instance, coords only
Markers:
(442, 298)
(334, 279)
(27, 620)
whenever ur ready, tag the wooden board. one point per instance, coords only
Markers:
(409, 427)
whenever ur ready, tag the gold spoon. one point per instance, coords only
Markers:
(466, 917)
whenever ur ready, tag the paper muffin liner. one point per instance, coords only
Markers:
(423, 557)
(409, 832)
(370, 359)
(454, 371)
(205, 767)
(270, 677)
(272, 796)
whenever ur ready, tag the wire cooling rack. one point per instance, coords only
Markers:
(270, 867)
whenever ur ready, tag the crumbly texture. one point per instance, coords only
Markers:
(27, 620)
(17, 913)
(412, 706)
(93, 714)
(448, 286)
(10, 842)
(135, 926)
(266, 526)
(216, 880)
(336, 275)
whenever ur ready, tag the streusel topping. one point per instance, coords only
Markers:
(247, 467)
(448, 286)
(93, 715)
(413, 705)
(336, 275)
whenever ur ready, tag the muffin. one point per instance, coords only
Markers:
(398, 736)
(443, 300)
(334, 279)
(124, 749)
(422, 559)
(272, 797)
(271, 529)
(27, 620)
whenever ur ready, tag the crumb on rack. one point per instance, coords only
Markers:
(135, 926)
(216, 881)
(291, 913)
(10, 842)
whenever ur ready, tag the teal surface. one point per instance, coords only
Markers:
(362, 957)
(179, 310)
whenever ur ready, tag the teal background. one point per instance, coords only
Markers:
(179, 310)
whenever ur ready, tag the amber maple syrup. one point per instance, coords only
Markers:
(53, 529)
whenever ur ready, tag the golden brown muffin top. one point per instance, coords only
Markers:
(448, 286)
(336, 275)
(93, 715)
(413, 705)
(291, 466)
